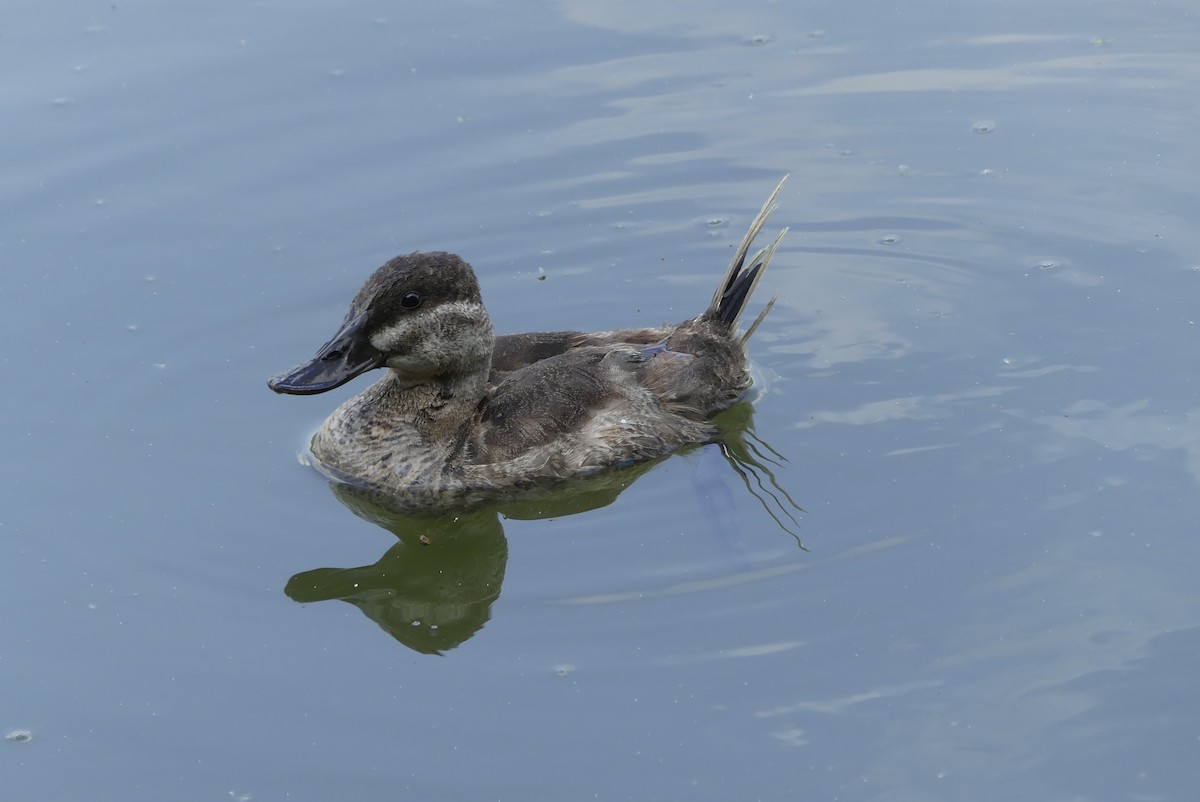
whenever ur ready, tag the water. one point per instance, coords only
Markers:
(979, 373)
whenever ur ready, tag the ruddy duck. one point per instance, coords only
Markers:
(461, 411)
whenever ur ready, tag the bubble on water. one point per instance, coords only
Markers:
(758, 39)
(903, 169)
(983, 126)
(987, 172)
(563, 669)
(19, 736)
(889, 239)
(1047, 264)
(817, 34)
(713, 222)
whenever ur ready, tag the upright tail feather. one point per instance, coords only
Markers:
(739, 281)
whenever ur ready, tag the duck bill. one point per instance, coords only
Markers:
(347, 355)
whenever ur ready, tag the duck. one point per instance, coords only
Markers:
(461, 412)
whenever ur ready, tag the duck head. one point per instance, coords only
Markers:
(420, 315)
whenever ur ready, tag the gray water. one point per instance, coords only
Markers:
(977, 384)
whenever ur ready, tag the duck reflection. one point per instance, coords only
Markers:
(435, 587)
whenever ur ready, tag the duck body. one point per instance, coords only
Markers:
(460, 411)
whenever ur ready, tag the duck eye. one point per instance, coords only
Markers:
(411, 300)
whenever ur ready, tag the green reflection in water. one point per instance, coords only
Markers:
(434, 588)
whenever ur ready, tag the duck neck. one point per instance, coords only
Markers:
(422, 421)
(436, 407)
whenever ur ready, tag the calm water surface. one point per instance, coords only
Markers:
(978, 384)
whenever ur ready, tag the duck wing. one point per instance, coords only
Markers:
(539, 404)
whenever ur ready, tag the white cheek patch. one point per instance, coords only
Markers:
(397, 337)
(430, 326)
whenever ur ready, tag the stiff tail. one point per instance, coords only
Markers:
(739, 282)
